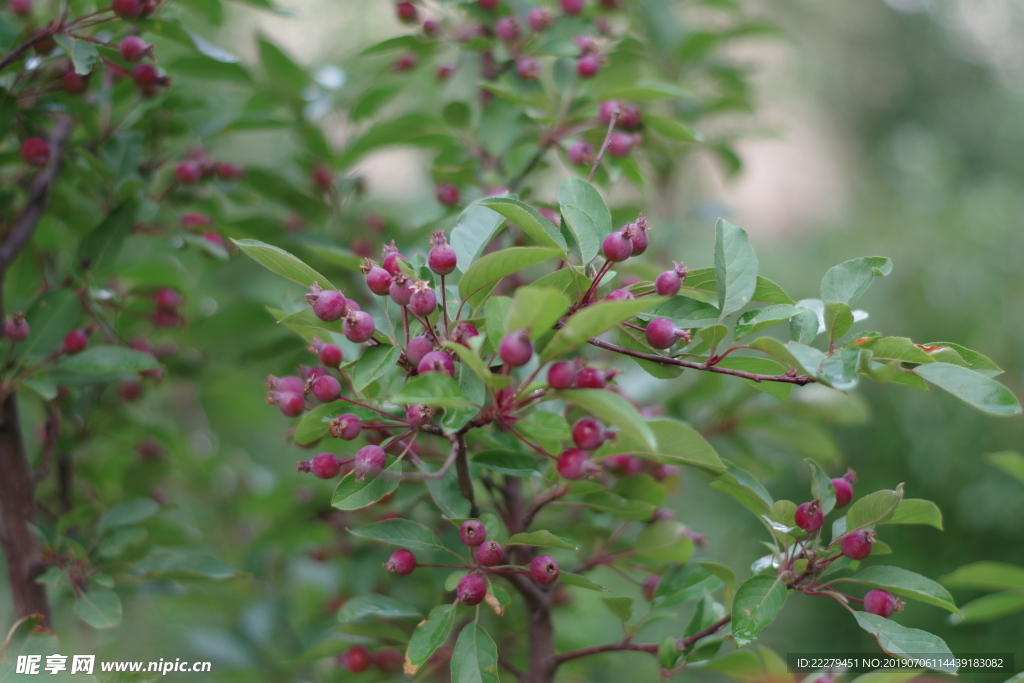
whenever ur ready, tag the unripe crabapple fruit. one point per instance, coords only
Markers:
(423, 301)
(529, 69)
(370, 461)
(133, 48)
(588, 434)
(617, 246)
(35, 152)
(326, 389)
(290, 403)
(669, 282)
(562, 375)
(515, 349)
(417, 414)
(431, 27)
(75, 342)
(328, 304)
(417, 349)
(330, 355)
(16, 328)
(146, 76)
(463, 332)
(473, 532)
(287, 383)
(74, 83)
(857, 545)
(574, 463)
(539, 18)
(630, 117)
(809, 517)
(437, 361)
(621, 144)
(581, 154)
(447, 194)
(650, 586)
(346, 427)
(844, 488)
(358, 327)
(622, 465)
(662, 333)
(487, 4)
(406, 12)
(472, 589)
(489, 553)
(587, 66)
(619, 295)
(44, 43)
(167, 299)
(591, 378)
(357, 659)
(401, 562)
(323, 466)
(388, 660)
(573, 6)
(442, 258)
(390, 258)
(127, 9)
(638, 234)
(883, 603)
(378, 280)
(20, 7)
(507, 29)
(401, 289)
(544, 569)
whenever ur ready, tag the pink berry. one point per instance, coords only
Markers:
(668, 283)
(562, 375)
(35, 152)
(488, 4)
(127, 9)
(574, 463)
(591, 378)
(444, 71)
(323, 177)
(544, 569)
(507, 29)
(346, 427)
(619, 295)
(442, 258)
(406, 12)
(529, 69)
(857, 545)
(405, 62)
(325, 466)
(515, 349)
(620, 144)
(423, 301)
(358, 327)
(227, 171)
(378, 280)
(587, 45)
(638, 233)
(539, 18)
(472, 589)
(146, 76)
(167, 299)
(472, 532)
(662, 333)
(617, 246)
(883, 603)
(431, 27)
(328, 305)
(587, 66)
(288, 383)
(588, 434)
(357, 659)
(16, 328)
(418, 348)
(463, 332)
(75, 342)
(630, 117)
(326, 389)
(133, 48)
(417, 414)
(844, 488)
(401, 562)
(20, 7)
(391, 257)
(370, 461)
(581, 154)
(489, 553)
(330, 355)
(622, 465)
(129, 391)
(437, 361)
(401, 290)
(290, 403)
(188, 173)
(447, 194)
(650, 586)
(573, 6)
(809, 517)
(74, 83)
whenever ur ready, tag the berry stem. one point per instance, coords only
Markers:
(444, 309)
(604, 145)
(462, 470)
(386, 414)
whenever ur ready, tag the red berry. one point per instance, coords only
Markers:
(417, 414)
(607, 110)
(463, 332)
(617, 246)
(326, 389)
(573, 6)
(74, 83)
(288, 383)
(75, 342)
(622, 465)
(472, 532)
(133, 48)
(844, 492)
(544, 569)
(650, 585)
(405, 62)
(417, 349)
(330, 355)
(167, 299)
(489, 553)
(401, 562)
(437, 361)
(35, 152)
(620, 144)
(539, 18)
(216, 239)
(529, 69)
(431, 27)
(378, 280)
(227, 171)
(809, 517)
(591, 378)
(630, 117)
(391, 258)
(587, 66)
(328, 305)
(146, 75)
(857, 545)
(406, 12)
(574, 463)
(581, 154)
(589, 434)
(562, 375)
(401, 290)
(188, 173)
(290, 403)
(444, 71)
(883, 603)
(472, 589)
(20, 7)
(515, 349)
(488, 4)
(619, 295)
(43, 43)
(323, 177)
(194, 219)
(346, 427)
(668, 283)
(16, 328)
(129, 391)
(325, 466)
(358, 327)
(442, 258)
(638, 233)
(388, 660)
(370, 461)
(127, 9)
(662, 333)
(423, 301)
(447, 194)
(357, 659)
(507, 29)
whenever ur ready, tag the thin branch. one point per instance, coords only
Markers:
(650, 648)
(684, 644)
(465, 479)
(604, 145)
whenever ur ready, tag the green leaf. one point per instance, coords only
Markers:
(684, 582)
(1010, 462)
(475, 228)
(664, 541)
(571, 579)
(670, 128)
(376, 606)
(431, 389)
(992, 606)
(207, 68)
(873, 508)
(678, 444)
(446, 492)
(100, 360)
(821, 487)
(401, 532)
(758, 601)
(619, 506)
(83, 54)
(972, 359)
(282, 263)
(900, 640)
(428, 636)
(972, 388)
(643, 91)
(714, 335)
(354, 495)
(508, 462)
(685, 312)
(475, 659)
(283, 73)
(803, 358)
(177, 566)
(99, 608)
(585, 214)
(493, 267)
(634, 340)
(372, 99)
(613, 409)
(838, 320)
(101, 246)
(766, 291)
(887, 676)
(742, 486)
(906, 584)
(916, 511)
(839, 369)
(543, 539)
(987, 575)
(760, 366)
(472, 360)
(735, 268)
(803, 327)
(593, 321)
(536, 309)
(371, 366)
(846, 282)
(754, 321)
(128, 512)
(622, 608)
(897, 348)
(724, 573)
(529, 220)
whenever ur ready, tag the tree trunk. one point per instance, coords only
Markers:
(542, 645)
(17, 511)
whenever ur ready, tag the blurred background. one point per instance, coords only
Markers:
(891, 128)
